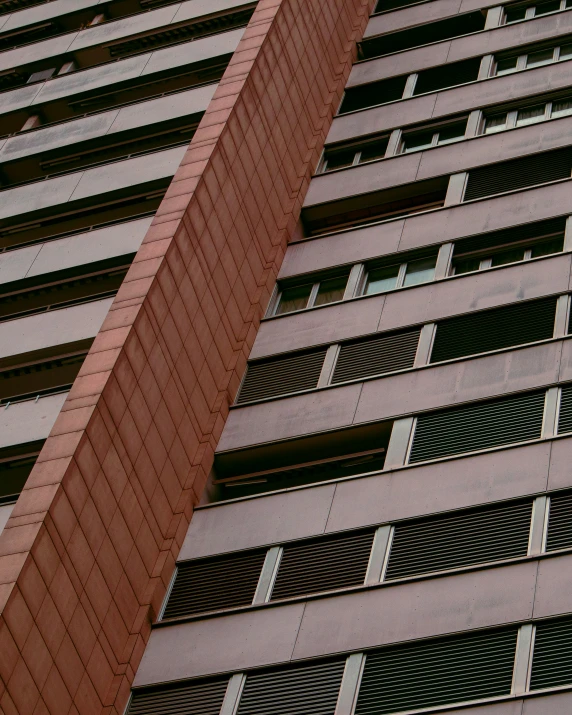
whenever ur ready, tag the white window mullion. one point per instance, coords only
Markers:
(232, 695)
(523, 659)
(379, 554)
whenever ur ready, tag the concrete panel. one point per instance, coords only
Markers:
(86, 248)
(29, 421)
(411, 16)
(282, 419)
(486, 215)
(341, 248)
(477, 291)
(455, 383)
(56, 8)
(554, 587)
(5, 511)
(259, 521)
(439, 161)
(59, 135)
(316, 327)
(433, 488)
(553, 704)
(58, 327)
(94, 78)
(73, 251)
(411, 611)
(510, 707)
(401, 63)
(560, 475)
(30, 197)
(566, 362)
(196, 8)
(193, 649)
(53, 47)
(363, 179)
(143, 114)
(460, 48)
(196, 51)
(19, 98)
(192, 101)
(476, 95)
(132, 25)
(139, 170)
(15, 264)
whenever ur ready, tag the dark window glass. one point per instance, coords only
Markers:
(544, 8)
(515, 14)
(380, 280)
(546, 248)
(339, 159)
(331, 290)
(466, 265)
(375, 150)
(294, 299)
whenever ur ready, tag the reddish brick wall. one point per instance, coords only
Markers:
(91, 544)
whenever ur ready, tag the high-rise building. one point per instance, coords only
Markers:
(285, 357)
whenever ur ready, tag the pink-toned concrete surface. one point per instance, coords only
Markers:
(91, 544)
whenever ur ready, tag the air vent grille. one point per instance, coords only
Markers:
(478, 426)
(212, 584)
(323, 564)
(192, 698)
(559, 534)
(552, 662)
(376, 356)
(519, 173)
(430, 674)
(281, 376)
(494, 329)
(456, 540)
(305, 690)
(565, 417)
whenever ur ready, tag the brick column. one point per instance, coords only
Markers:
(92, 542)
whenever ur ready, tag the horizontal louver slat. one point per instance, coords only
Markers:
(190, 698)
(213, 584)
(494, 329)
(478, 426)
(429, 674)
(323, 564)
(507, 236)
(376, 356)
(304, 690)
(559, 534)
(452, 541)
(519, 173)
(281, 376)
(565, 416)
(552, 661)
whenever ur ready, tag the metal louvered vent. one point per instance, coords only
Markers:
(478, 426)
(447, 542)
(428, 674)
(305, 690)
(191, 698)
(552, 661)
(559, 534)
(281, 376)
(494, 329)
(211, 584)
(565, 416)
(519, 173)
(323, 564)
(375, 356)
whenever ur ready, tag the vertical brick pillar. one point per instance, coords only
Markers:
(91, 544)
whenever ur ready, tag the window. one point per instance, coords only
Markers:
(418, 140)
(527, 12)
(385, 278)
(512, 246)
(534, 58)
(309, 295)
(351, 156)
(527, 115)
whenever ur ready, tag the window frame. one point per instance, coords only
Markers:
(530, 11)
(310, 303)
(511, 121)
(522, 59)
(359, 147)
